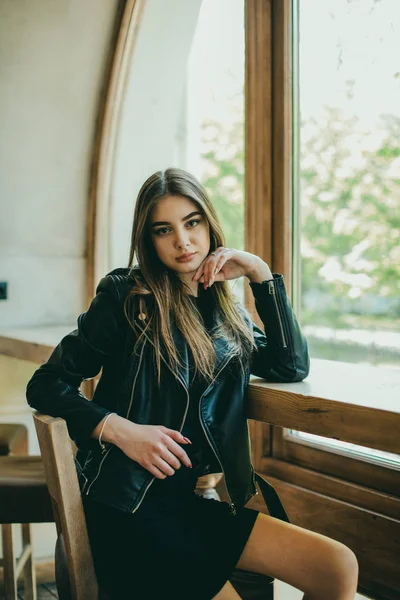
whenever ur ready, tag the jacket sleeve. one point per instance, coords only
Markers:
(281, 353)
(54, 387)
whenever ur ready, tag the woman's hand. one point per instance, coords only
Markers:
(224, 264)
(155, 447)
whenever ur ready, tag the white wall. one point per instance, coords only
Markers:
(151, 122)
(52, 58)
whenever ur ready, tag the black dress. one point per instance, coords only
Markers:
(177, 544)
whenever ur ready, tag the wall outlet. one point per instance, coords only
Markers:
(3, 290)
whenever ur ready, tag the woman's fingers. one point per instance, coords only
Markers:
(172, 441)
(156, 472)
(218, 266)
(204, 269)
(154, 447)
(171, 459)
(213, 267)
(163, 466)
(207, 271)
(179, 452)
(221, 261)
(175, 435)
(213, 263)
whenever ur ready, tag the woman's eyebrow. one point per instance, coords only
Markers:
(190, 216)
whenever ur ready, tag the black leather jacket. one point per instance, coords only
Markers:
(128, 386)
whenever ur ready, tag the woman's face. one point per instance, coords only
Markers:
(180, 234)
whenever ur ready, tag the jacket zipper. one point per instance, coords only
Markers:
(100, 465)
(134, 381)
(182, 424)
(231, 504)
(107, 451)
(272, 293)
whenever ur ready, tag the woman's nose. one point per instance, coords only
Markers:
(182, 240)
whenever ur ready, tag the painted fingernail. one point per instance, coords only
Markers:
(186, 439)
(190, 466)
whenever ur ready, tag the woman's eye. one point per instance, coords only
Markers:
(165, 230)
(162, 231)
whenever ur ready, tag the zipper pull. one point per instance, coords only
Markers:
(232, 508)
(271, 288)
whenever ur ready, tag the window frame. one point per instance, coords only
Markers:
(271, 176)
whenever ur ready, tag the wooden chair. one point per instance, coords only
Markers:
(24, 499)
(73, 554)
(73, 541)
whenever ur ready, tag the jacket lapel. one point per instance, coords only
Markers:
(222, 347)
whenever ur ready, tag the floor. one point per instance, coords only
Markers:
(283, 591)
(45, 578)
(48, 591)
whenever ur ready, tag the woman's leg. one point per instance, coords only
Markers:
(318, 566)
(228, 592)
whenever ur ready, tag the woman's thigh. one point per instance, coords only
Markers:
(306, 560)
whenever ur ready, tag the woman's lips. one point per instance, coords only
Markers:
(186, 257)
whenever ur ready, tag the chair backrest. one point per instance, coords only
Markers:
(62, 481)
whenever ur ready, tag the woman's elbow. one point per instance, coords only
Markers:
(301, 362)
(294, 370)
(301, 372)
(31, 393)
(36, 388)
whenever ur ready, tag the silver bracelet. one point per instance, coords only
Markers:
(102, 446)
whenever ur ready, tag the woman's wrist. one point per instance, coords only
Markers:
(260, 273)
(113, 429)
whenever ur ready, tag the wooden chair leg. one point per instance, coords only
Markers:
(29, 567)
(9, 563)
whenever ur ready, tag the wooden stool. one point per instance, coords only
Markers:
(13, 439)
(24, 499)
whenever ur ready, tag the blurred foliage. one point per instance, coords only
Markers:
(350, 218)
(224, 177)
(350, 212)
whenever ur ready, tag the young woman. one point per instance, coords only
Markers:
(176, 351)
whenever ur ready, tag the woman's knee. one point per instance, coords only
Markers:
(337, 573)
(346, 567)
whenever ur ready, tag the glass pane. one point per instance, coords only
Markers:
(215, 113)
(360, 452)
(347, 162)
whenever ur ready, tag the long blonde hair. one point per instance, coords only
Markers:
(160, 294)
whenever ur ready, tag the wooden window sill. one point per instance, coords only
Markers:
(34, 344)
(351, 403)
